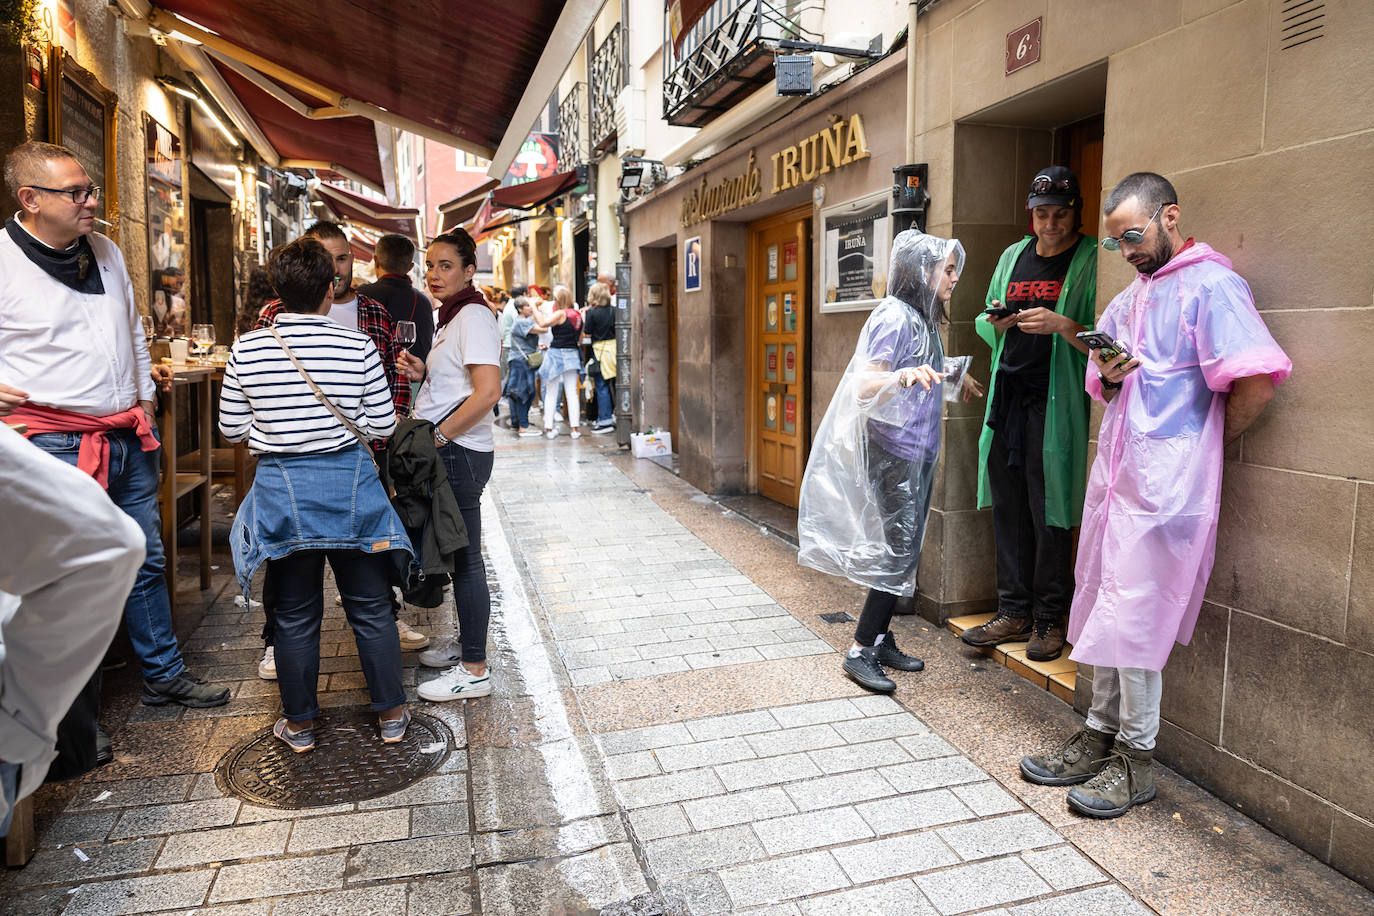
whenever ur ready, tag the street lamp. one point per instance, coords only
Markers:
(632, 171)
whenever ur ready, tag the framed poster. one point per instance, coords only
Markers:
(167, 236)
(691, 265)
(856, 239)
(81, 116)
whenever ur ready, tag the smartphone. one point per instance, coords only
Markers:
(1111, 349)
(1001, 312)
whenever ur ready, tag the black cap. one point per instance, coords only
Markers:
(1055, 186)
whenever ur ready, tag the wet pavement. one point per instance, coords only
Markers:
(669, 733)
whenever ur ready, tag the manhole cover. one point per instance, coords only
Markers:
(349, 763)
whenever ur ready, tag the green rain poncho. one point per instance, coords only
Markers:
(1066, 415)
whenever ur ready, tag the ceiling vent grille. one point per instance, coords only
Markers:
(1300, 21)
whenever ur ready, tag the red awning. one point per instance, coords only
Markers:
(417, 59)
(455, 212)
(350, 142)
(536, 193)
(380, 216)
(363, 250)
(688, 13)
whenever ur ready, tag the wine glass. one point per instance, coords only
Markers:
(204, 337)
(149, 327)
(405, 333)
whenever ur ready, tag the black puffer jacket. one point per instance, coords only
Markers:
(427, 507)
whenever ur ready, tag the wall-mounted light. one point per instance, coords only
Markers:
(172, 84)
(632, 171)
(218, 124)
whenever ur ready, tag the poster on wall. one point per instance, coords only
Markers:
(691, 264)
(166, 231)
(855, 242)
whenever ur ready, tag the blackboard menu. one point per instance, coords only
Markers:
(83, 128)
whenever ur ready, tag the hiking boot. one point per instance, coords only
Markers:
(1047, 640)
(998, 630)
(1077, 760)
(1127, 779)
(864, 670)
(185, 689)
(889, 656)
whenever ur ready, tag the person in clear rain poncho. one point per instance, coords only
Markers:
(866, 491)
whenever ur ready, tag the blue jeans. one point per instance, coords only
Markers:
(133, 488)
(468, 473)
(605, 398)
(519, 412)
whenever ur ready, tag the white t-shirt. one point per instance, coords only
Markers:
(472, 338)
(345, 313)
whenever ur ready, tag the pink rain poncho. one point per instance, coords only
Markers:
(866, 491)
(1150, 514)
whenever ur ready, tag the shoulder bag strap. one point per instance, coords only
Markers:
(320, 395)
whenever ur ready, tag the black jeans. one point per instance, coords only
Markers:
(902, 487)
(468, 473)
(1034, 561)
(365, 584)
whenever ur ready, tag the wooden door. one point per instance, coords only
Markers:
(779, 279)
(670, 293)
(1079, 146)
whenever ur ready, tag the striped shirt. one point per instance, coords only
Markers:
(265, 400)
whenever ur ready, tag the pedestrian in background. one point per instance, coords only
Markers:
(525, 357)
(562, 365)
(600, 325)
(1033, 451)
(866, 491)
(394, 257)
(462, 383)
(307, 394)
(1199, 366)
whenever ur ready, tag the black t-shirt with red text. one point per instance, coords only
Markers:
(1035, 283)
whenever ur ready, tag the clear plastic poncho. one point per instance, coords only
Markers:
(866, 491)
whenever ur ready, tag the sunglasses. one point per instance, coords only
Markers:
(1132, 236)
(79, 195)
(1043, 184)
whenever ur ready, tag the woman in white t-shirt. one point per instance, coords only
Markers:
(462, 383)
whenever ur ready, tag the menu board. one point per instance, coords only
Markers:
(855, 245)
(82, 113)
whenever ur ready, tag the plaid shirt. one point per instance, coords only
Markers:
(375, 322)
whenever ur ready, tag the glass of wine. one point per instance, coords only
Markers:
(149, 327)
(405, 333)
(203, 335)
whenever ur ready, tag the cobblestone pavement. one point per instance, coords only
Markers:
(669, 733)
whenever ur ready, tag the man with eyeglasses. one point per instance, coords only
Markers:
(1197, 366)
(1033, 451)
(71, 337)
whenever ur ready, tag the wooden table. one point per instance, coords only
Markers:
(183, 476)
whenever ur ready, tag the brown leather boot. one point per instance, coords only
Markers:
(998, 630)
(1047, 641)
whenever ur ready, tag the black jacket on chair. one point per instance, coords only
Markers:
(427, 507)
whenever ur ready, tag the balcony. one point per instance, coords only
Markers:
(606, 79)
(724, 57)
(572, 150)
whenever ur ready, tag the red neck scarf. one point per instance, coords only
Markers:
(450, 307)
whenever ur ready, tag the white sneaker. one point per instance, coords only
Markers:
(457, 683)
(445, 654)
(550, 434)
(527, 432)
(267, 668)
(574, 435)
(411, 639)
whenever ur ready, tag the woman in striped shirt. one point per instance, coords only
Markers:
(316, 495)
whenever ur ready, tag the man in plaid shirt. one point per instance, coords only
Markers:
(354, 311)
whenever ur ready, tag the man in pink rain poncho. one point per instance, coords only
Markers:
(1199, 366)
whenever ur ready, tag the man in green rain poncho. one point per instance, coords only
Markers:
(1032, 455)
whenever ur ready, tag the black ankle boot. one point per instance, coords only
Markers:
(889, 656)
(864, 670)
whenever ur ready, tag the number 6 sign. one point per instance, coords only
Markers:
(1023, 47)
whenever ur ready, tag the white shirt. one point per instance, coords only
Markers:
(472, 338)
(345, 313)
(77, 351)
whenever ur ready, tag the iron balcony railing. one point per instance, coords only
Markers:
(724, 56)
(571, 149)
(606, 79)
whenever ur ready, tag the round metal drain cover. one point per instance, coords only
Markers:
(349, 763)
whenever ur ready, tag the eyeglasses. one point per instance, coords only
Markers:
(79, 195)
(1043, 184)
(1133, 236)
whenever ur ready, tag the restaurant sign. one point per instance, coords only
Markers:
(842, 143)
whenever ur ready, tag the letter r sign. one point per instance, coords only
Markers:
(1023, 47)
